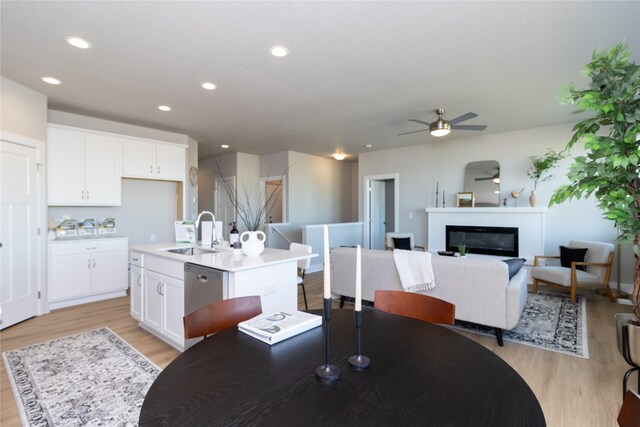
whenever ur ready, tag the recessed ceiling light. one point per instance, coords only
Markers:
(224, 146)
(339, 156)
(164, 108)
(368, 146)
(208, 86)
(279, 51)
(51, 80)
(78, 42)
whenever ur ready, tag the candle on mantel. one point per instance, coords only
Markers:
(327, 264)
(358, 279)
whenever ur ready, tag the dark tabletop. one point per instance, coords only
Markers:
(420, 374)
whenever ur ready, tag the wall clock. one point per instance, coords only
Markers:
(193, 176)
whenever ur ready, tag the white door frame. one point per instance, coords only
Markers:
(41, 209)
(366, 220)
(263, 188)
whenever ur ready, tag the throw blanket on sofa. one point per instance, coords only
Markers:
(414, 269)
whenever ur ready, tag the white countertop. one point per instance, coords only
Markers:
(224, 259)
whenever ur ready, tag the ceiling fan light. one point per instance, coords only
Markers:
(440, 128)
(496, 180)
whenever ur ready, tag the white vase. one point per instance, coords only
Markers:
(252, 242)
(533, 199)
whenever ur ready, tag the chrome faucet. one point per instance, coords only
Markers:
(213, 226)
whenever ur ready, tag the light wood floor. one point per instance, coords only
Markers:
(572, 391)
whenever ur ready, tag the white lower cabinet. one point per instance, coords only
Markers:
(135, 291)
(163, 299)
(82, 271)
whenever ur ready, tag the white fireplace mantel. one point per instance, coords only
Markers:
(529, 221)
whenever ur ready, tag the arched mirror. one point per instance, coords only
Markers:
(483, 179)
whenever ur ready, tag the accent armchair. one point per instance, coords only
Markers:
(598, 261)
(389, 245)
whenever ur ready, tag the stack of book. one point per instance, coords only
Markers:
(275, 327)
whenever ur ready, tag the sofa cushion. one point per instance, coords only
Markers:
(402, 243)
(514, 264)
(569, 255)
(562, 276)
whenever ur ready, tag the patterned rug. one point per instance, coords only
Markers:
(548, 321)
(92, 378)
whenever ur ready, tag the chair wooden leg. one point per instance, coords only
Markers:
(573, 293)
(499, 336)
(612, 298)
(535, 285)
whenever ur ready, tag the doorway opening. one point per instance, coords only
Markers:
(275, 198)
(381, 207)
(224, 209)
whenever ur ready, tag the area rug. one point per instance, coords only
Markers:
(92, 378)
(548, 321)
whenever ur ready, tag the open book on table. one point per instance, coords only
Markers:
(275, 327)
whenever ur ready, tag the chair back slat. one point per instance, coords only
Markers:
(220, 315)
(417, 306)
(629, 415)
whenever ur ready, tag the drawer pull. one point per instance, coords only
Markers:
(135, 259)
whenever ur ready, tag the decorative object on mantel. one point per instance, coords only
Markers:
(91, 378)
(609, 169)
(539, 171)
(444, 205)
(358, 361)
(327, 372)
(465, 199)
(252, 242)
(515, 195)
(437, 193)
(462, 250)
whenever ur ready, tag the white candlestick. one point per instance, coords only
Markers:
(327, 264)
(358, 279)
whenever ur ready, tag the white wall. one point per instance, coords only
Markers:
(444, 160)
(22, 111)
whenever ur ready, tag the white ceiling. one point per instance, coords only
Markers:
(356, 72)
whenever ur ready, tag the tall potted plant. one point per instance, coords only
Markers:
(610, 169)
(539, 170)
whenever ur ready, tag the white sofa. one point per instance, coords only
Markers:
(479, 288)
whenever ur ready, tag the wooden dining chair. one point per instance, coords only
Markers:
(417, 306)
(220, 315)
(629, 415)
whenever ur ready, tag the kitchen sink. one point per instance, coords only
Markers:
(190, 251)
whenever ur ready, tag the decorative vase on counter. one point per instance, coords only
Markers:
(533, 199)
(252, 242)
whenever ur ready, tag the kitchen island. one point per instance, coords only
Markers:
(157, 281)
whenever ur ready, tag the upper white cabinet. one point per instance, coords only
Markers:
(84, 168)
(153, 160)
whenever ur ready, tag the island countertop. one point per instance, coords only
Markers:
(224, 258)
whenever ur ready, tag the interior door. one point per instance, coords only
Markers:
(18, 233)
(275, 215)
(377, 215)
(224, 210)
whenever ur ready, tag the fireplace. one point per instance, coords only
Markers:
(501, 241)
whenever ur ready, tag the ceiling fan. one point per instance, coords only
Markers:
(442, 127)
(495, 177)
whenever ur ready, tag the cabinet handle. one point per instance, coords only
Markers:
(151, 169)
(158, 288)
(94, 263)
(138, 281)
(82, 194)
(135, 259)
(158, 169)
(87, 194)
(88, 263)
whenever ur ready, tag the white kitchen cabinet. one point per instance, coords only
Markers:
(82, 271)
(84, 168)
(153, 160)
(135, 291)
(163, 299)
(136, 262)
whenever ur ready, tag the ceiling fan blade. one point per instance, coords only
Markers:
(463, 118)
(469, 127)
(419, 121)
(484, 179)
(415, 131)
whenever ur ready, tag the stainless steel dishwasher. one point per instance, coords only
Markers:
(202, 286)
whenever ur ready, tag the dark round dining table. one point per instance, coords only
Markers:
(421, 374)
